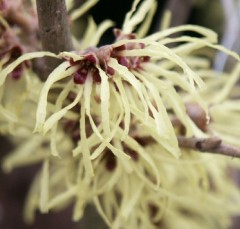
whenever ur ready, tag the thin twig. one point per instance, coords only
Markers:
(54, 30)
(209, 145)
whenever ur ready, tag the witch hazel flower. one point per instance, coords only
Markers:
(139, 205)
(17, 30)
(10, 50)
(105, 115)
(118, 84)
(101, 56)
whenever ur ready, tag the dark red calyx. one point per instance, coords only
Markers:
(145, 58)
(74, 63)
(110, 162)
(133, 154)
(15, 52)
(17, 72)
(124, 61)
(110, 71)
(120, 48)
(79, 77)
(153, 210)
(96, 75)
(91, 58)
(130, 62)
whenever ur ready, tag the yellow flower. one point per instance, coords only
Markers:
(104, 127)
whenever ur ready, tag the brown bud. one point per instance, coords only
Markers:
(198, 115)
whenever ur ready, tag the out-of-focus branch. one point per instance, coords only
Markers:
(231, 34)
(180, 11)
(54, 30)
(209, 145)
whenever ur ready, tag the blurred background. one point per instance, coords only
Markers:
(223, 16)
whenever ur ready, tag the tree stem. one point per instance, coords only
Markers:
(54, 30)
(209, 145)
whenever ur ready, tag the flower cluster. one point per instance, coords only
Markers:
(10, 50)
(107, 126)
(93, 57)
